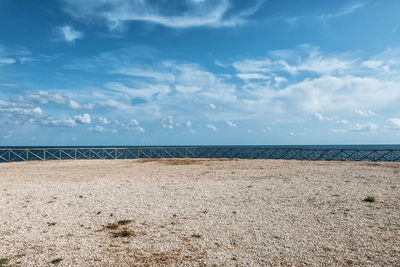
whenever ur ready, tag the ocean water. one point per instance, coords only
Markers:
(297, 152)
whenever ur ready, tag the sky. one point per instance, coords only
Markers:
(199, 72)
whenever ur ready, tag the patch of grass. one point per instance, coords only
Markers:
(3, 262)
(123, 222)
(112, 226)
(51, 223)
(123, 233)
(196, 235)
(20, 255)
(56, 261)
(369, 199)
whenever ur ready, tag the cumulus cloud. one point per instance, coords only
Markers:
(365, 113)
(212, 127)
(231, 124)
(322, 118)
(180, 14)
(70, 34)
(44, 97)
(103, 120)
(367, 127)
(51, 122)
(140, 129)
(83, 119)
(97, 129)
(394, 123)
(342, 122)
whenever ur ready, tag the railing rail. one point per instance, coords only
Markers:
(319, 154)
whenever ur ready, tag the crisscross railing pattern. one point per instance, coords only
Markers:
(323, 154)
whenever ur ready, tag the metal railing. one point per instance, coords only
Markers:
(327, 154)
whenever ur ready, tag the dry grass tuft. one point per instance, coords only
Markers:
(123, 222)
(112, 226)
(123, 233)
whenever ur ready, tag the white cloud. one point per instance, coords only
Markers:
(266, 129)
(292, 134)
(367, 127)
(44, 97)
(212, 127)
(103, 120)
(83, 119)
(365, 113)
(188, 124)
(322, 118)
(394, 123)
(51, 122)
(7, 61)
(97, 129)
(69, 34)
(37, 110)
(8, 135)
(373, 64)
(140, 129)
(253, 66)
(181, 14)
(212, 106)
(231, 124)
(345, 11)
(187, 89)
(75, 105)
(140, 72)
(314, 61)
(253, 76)
(342, 122)
(338, 130)
(133, 122)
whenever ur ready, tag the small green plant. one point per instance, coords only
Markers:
(3, 262)
(56, 261)
(369, 199)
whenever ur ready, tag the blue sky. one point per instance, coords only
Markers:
(158, 72)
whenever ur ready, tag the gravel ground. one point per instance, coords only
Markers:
(199, 212)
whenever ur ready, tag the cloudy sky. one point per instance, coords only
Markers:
(175, 72)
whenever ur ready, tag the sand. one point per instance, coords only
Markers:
(199, 212)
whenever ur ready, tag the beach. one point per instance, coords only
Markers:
(192, 212)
